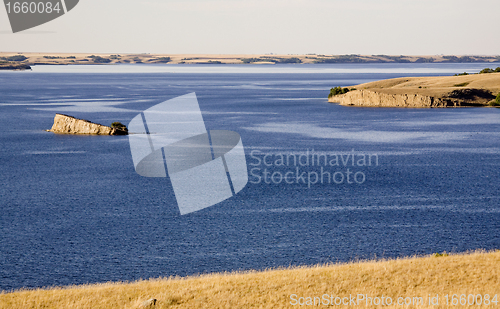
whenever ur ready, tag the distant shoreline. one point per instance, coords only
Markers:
(20, 60)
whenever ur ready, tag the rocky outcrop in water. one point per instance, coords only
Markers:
(64, 124)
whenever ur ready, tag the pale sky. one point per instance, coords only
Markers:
(416, 27)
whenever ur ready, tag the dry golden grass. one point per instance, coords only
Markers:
(471, 273)
(435, 86)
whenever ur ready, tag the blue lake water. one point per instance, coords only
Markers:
(73, 210)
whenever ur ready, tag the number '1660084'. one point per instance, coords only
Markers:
(471, 299)
(32, 7)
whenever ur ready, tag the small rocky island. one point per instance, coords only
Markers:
(64, 124)
(464, 90)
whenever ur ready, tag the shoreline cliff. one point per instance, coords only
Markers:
(476, 90)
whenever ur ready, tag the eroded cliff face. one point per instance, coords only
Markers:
(64, 124)
(372, 98)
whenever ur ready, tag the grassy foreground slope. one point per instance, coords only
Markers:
(473, 273)
(465, 90)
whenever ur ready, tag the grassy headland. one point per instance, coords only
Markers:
(16, 62)
(476, 273)
(441, 91)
